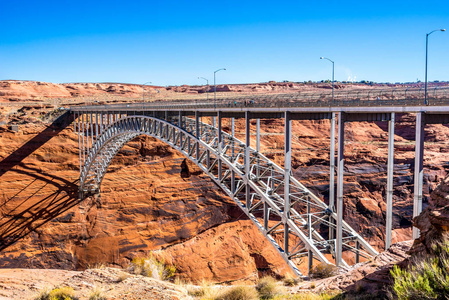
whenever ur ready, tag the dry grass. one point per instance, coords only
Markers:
(241, 292)
(151, 267)
(312, 296)
(323, 270)
(204, 291)
(268, 288)
(97, 294)
(291, 280)
(122, 277)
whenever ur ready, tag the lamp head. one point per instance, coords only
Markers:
(443, 29)
(321, 57)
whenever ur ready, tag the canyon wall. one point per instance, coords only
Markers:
(150, 203)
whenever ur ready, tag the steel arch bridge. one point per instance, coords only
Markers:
(295, 221)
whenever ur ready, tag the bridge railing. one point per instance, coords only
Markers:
(373, 97)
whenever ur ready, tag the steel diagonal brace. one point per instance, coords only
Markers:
(292, 225)
(225, 176)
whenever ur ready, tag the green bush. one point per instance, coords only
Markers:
(151, 267)
(427, 278)
(323, 270)
(243, 292)
(268, 288)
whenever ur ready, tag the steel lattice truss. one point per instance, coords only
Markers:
(304, 227)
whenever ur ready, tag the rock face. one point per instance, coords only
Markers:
(154, 199)
(36, 91)
(369, 277)
(433, 222)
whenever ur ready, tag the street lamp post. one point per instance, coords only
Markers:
(427, 48)
(143, 91)
(333, 68)
(215, 87)
(207, 92)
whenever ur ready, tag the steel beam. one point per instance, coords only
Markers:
(340, 172)
(258, 147)
(332, 165)
(180, 124)
(96, 126)
(79, 142)
(220, 141)
(287, 172)
(309, 226)
(418, 174)
(390, 169)
(197, 133)
(232, 156)
(92, 129)
(84, 134)
(247, 157)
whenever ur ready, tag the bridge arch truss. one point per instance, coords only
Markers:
(296, 222)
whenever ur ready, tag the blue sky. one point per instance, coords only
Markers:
(174, 42)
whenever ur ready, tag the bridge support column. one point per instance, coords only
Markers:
(418, 175)
(220, 137)
(180, 126)
(340, 172)
(78, 120)
(258, 147)
(247, 157)
(91, 130)
(96, 125)
(232, 156)
(87, 133)
(167, 130)
(390, 168)
(287, 170)
(332, 176)
(84, 133)
(197, 133)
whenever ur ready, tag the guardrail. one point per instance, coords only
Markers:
(385, 97)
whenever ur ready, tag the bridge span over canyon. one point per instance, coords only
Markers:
(294, 220)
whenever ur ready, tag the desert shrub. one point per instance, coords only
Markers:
(98, 266)
(151, 267)
(331, 295)
(97, 294)
(268, 288)
(43, 295)
(204, 291)
(241, 292)
(323, 270)
(426, 278)
(62, 293)
(291, 280)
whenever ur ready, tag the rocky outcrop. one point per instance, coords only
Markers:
(433, 222)
(37, 91)
(112, 283)
(372, 276)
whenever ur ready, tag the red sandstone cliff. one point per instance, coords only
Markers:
(147, 205)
